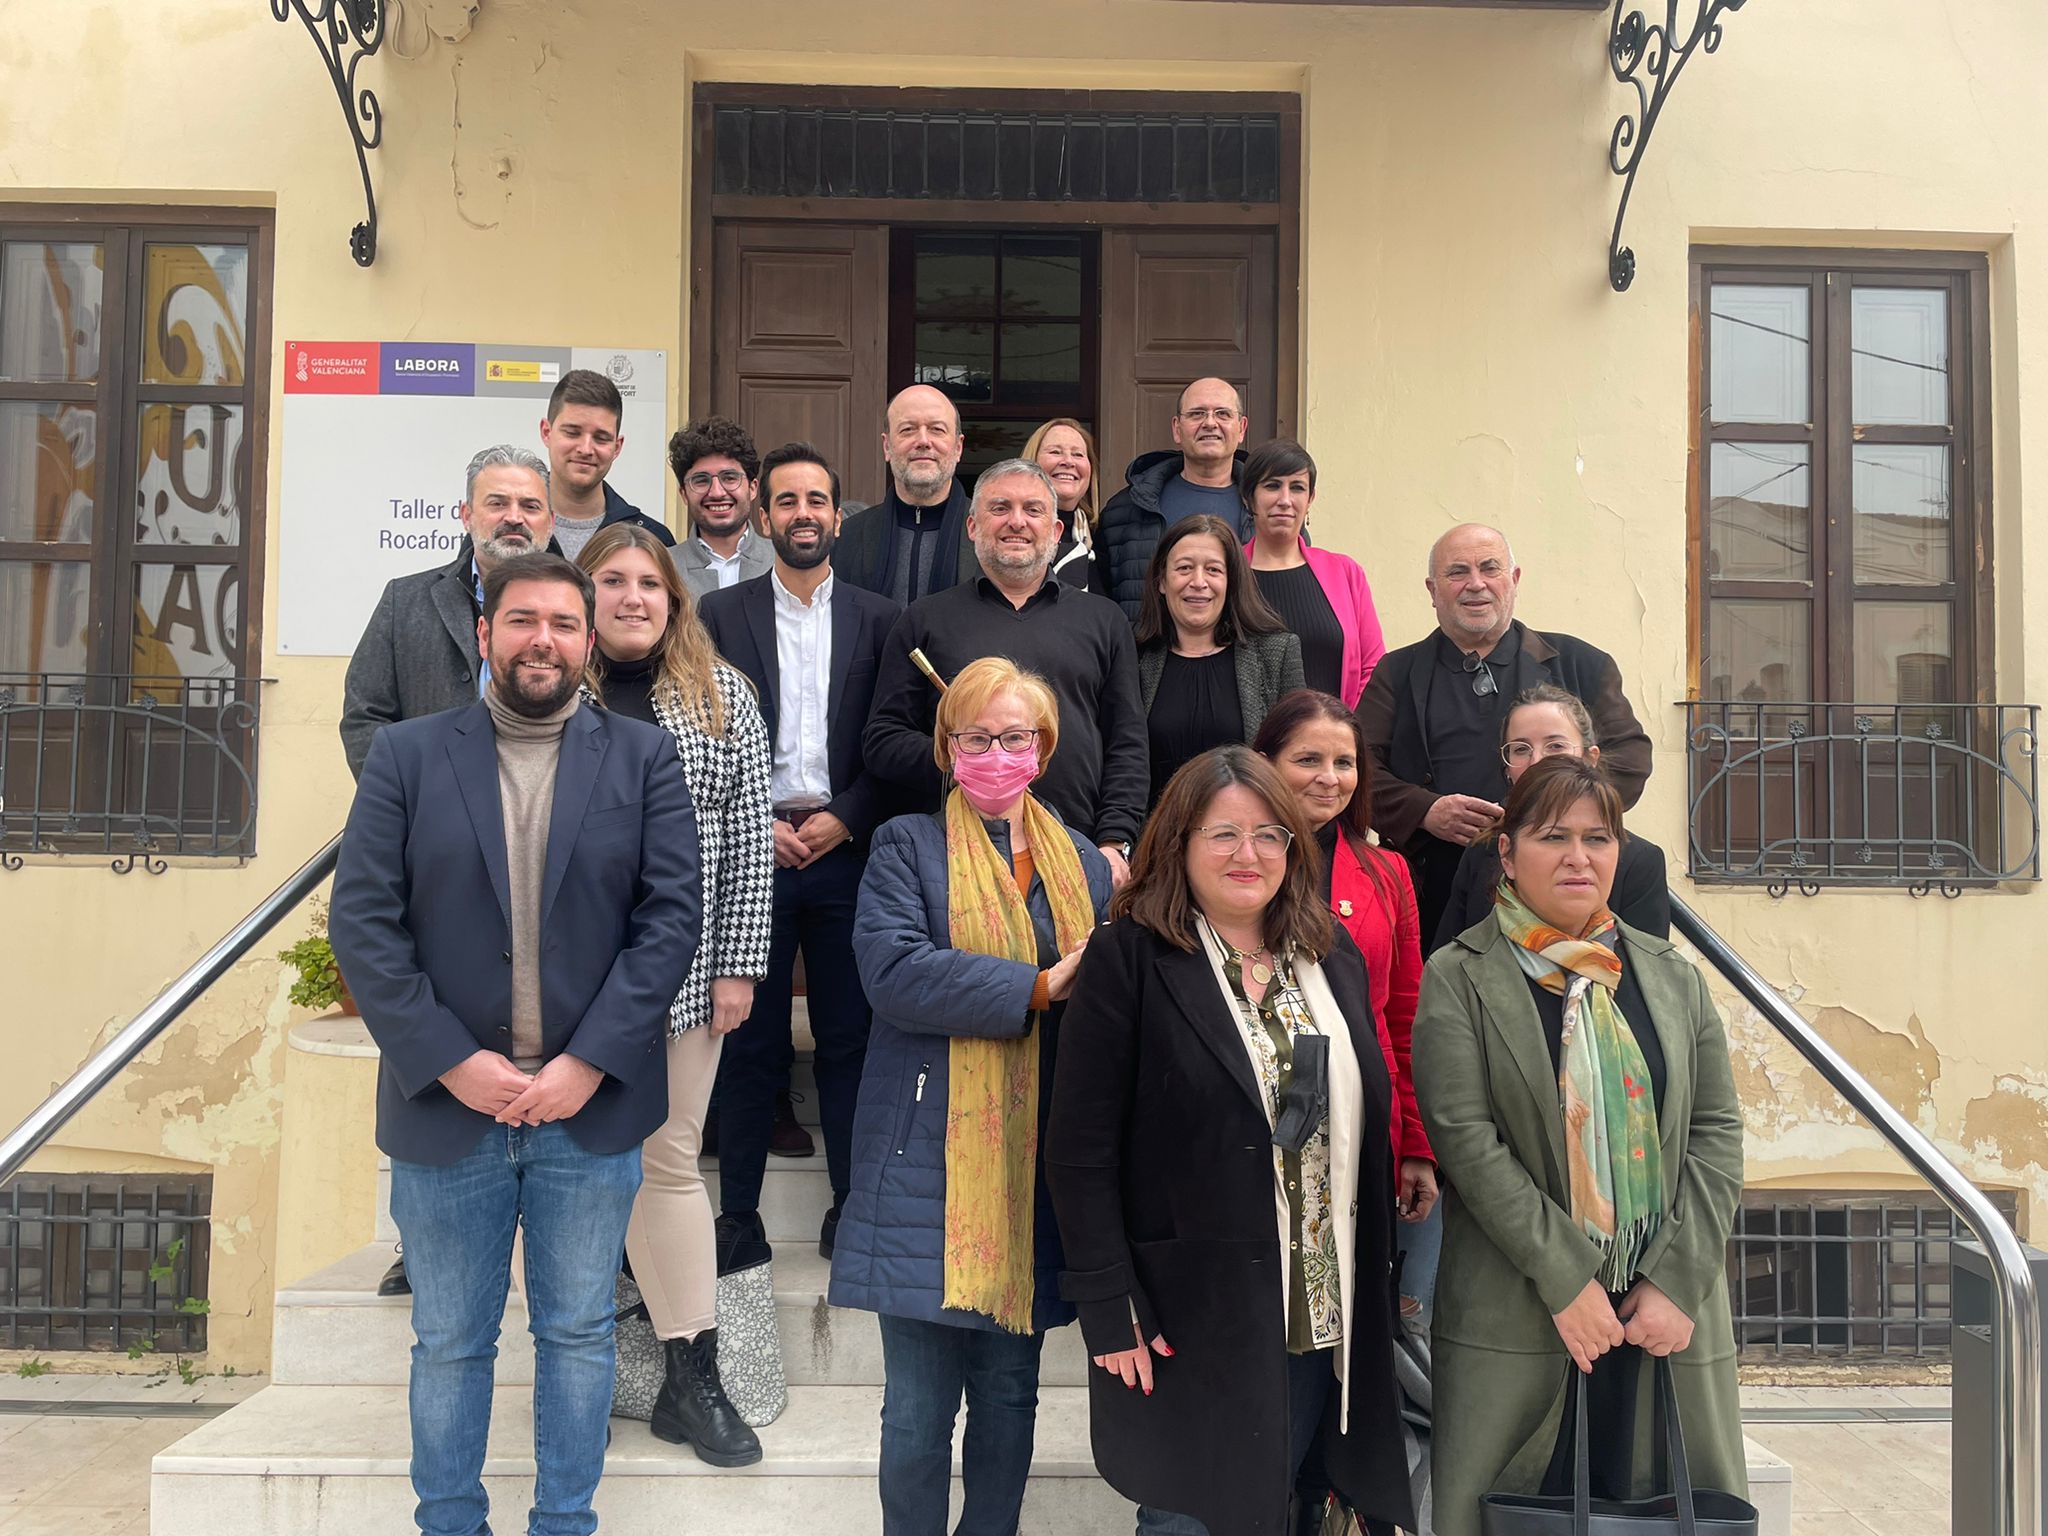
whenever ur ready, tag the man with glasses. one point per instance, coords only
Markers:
(1432, 712)
(1198, 474)
(1100, 778)
(715, 466)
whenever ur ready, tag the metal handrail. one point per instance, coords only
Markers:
(2018, 1333)
(53, 1113)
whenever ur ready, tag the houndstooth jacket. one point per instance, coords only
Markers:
(729, 784)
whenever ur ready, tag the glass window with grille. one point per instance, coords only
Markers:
(1004, 324)
(130, 422)
(1837, 456)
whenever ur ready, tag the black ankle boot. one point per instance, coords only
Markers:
(692, 1408)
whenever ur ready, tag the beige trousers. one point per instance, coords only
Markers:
(670, 1240)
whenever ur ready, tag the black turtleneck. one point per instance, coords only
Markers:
(629, 687)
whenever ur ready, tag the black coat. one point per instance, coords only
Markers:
(1159, 1155)
(865, 555)
(741, 619)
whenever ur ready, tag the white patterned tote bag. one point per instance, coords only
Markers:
(749, 1348)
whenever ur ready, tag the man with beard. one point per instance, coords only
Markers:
(418, 655)
(516, 905)
(913, 542)
(1198, 474)
(581, 433)
(1432, 712)
(1100, 779)
(714, 463)
(809, 643)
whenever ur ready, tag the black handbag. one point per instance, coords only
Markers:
(1686, 1510)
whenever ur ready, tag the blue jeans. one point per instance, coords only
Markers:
(1422, 1244)
(457, 1224)
(927, 1368)
(1309, 1380)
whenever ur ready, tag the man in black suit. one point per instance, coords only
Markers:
(516, 905)
(810, 643)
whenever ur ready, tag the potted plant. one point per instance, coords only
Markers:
(319, 985)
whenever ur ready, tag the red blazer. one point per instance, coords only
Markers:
(1388, 932)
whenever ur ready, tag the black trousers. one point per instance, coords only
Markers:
(814, 913)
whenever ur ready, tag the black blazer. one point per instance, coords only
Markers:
(741, 619)
(421, 928)
(1159, 1155)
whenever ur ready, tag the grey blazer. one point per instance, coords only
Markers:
(693, 562)
(417, 656)
(1267, 667)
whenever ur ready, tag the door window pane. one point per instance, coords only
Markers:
(50, 312)
(1902, 514)
(1041, 364)
(191, 472)
(1758, 518)
(195, 304)
(1898, 338)
(45, 615)
(48, 473)
(1759, 343)
(957, 359)
(1761, 650)
(956, 275)
(1904, 653)
(188, 621)
(1042, 276)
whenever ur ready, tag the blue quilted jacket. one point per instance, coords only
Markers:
(889, 1255)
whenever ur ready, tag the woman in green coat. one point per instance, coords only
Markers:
(1574, 1080)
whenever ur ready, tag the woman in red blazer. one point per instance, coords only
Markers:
(1315, 743)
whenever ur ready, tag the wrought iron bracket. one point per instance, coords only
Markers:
(1647, 57)
(346, 32)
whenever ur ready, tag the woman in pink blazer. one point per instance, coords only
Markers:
(1322, 595)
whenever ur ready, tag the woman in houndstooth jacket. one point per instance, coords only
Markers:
(653, 660)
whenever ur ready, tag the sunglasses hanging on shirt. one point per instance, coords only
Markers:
(1482, 676)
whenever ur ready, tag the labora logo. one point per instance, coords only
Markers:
(426, 365)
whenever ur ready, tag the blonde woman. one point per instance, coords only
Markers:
(1065, 450)
(654, 661)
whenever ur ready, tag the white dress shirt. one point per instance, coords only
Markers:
(802, 776)
(725, 569)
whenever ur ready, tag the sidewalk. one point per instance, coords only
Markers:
(1856, 1472)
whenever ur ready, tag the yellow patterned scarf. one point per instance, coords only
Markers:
(992, 1125)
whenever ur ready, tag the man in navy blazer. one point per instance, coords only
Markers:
(810, 643)
(516, 905)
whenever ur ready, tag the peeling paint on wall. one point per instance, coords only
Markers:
(2010, 1123)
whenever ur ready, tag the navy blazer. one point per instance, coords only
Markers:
(420, 925)
(741, 619)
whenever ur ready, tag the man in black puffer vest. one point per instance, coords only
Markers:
(1198, 474)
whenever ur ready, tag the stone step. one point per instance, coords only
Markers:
(332, 1461)
(333, 1329)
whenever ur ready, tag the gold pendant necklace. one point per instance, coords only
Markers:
(1262, 973)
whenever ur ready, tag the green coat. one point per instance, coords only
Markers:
(1512, 1256)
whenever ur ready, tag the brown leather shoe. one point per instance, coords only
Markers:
(787, 1138)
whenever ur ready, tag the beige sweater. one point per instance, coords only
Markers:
(528, 752)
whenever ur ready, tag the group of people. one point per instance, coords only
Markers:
(1113, 841)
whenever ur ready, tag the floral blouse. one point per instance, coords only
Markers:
(1315, 1305)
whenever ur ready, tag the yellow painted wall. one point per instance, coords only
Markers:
(1462, 357)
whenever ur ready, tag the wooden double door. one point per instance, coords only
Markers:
(809, 339)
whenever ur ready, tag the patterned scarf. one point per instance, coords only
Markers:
(992, 1126)
(1610, 1115)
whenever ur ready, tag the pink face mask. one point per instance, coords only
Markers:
(993, 780)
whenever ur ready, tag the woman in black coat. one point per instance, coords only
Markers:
(1213, 656)
(1219, 1162)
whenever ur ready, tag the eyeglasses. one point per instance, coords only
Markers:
(730, 479)
(1268, 842)
(1222, 415)
(974, 743)
(1482, 679)
(1528, 752)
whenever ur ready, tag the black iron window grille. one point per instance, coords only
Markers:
(997, 154)
(130, 767)
(104, 1262)
(1922, 796)
(1844, 1276)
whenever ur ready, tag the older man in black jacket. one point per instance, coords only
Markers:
(1432, 711)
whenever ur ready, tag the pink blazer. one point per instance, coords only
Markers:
(1350, 594)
